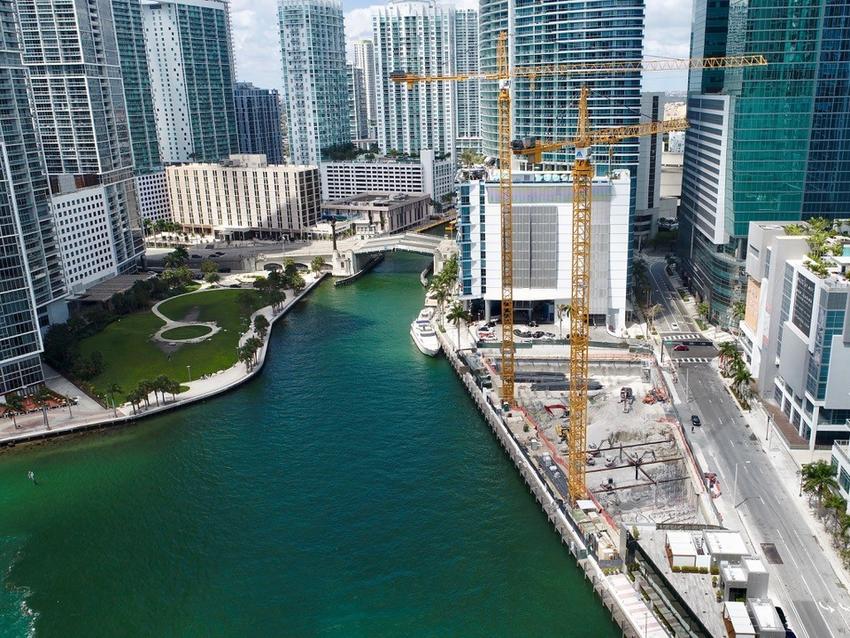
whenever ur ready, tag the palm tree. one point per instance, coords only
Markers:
(15, 404)
(173, 389)
(161, 383)
(741, 379)
(727, 351)
(41, 398)
(563, 310)
(456, 315)
(819, 480)
(144, 389)
(441, 295)
(834, 505)
(112, 391)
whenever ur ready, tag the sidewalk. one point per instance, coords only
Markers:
(86, 416)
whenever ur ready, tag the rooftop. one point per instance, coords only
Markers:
(738, 617)
(378, 200)
(764, 614)
(725, 543)
(104, 291)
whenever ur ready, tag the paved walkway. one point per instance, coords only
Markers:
(91, 415)
(170, 323)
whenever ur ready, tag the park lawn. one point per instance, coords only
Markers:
(129, 354)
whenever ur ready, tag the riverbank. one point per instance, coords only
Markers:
(34, 427)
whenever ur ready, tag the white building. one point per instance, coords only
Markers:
(542, 214)
(796, 332)
(244, 196)
(84, 230)
(364, 59)
(386, 174)
(374, 214)
(649, 204)
(152, 189)
(414, 36)
(191, 76)
(358, 120)
(315, 89)
(467, 120)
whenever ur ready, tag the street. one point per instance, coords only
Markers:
(802, 578)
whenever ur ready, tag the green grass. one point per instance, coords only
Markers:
(185, 332)
(129, 354)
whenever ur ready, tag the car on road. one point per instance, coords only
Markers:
(681, 348)
(695, 421)
(674, 326)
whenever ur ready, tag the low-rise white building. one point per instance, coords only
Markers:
(374, 214)
(244, 196)
(84, 230)
(796, 332)
(542, 218)
(152, 189)
(427, 174)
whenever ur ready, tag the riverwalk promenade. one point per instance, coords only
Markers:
(90, 415)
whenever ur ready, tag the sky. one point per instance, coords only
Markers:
(256, 41)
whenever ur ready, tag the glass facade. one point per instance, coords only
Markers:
(258, 121)
(135, 74)
(564, 32)
(789, 130)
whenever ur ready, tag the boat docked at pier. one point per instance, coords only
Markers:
(423, 334)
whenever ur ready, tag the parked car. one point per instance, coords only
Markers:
(695, 421)
(674, 326)
(681, 348)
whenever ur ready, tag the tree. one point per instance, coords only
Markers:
(441, 295)
(275, 299)
(297, 282)
(457, 315)
(261, 326)
(468, 157)
(161, 385)
(178, 257)
(42, 399)
(563, 310)
(739, 309)
(741, 379)
(212, 278)
(651, 312)
(208, 266)
(835, 506)
(727, 352)
(114, 389)
(144, 389)
(317, 264)
(15, 404)
(173, 389)
(703, 309)
(819, 480)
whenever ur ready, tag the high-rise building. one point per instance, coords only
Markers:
(312, 37)
(358, 122)
(71, 52)
(30, 268)
(258, 121)
(414, 36)
(191, 73)
(565, 32)
(649, 204)
(135, 74)
(766, 143)
(468, 131)
(364, 59)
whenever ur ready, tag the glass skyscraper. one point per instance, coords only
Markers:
(766, 143)
(315, 88)
(565, 32)
(258, 121)
(30, 268)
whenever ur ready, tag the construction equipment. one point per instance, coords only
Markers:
(582, 174)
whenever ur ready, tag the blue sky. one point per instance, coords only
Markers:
(257, 48)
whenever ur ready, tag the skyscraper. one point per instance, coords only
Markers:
(466, 61)
(30, 268)
(191, 68)
(364, 59)
(135, 74)
(766, 143)
(312, 38)
(358, 122)
(415, 36)
(258, 121)
(564, 32)
(71, 52)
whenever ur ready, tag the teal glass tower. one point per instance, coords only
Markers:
(565, 32)
(766, 143)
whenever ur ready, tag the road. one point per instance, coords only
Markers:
(802, 578)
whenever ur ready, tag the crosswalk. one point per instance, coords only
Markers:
(681, 336)
(692, 359)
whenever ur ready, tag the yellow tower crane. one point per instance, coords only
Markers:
(582, 194)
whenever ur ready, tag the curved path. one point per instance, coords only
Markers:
(170, 324)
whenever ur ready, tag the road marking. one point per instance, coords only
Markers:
(817, 571)
(844, 607)
(826, 607)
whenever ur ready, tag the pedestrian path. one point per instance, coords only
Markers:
(681, 336)
(692, 360)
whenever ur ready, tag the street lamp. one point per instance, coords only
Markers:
(189, 370)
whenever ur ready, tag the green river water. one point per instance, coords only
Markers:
(351, 489)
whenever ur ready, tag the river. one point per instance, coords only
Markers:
(351, 489)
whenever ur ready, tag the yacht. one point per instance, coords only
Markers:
(423, 333)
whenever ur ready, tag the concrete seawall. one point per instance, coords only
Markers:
(101, 423)
(631, 623)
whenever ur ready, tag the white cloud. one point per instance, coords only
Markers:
(256, 43)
